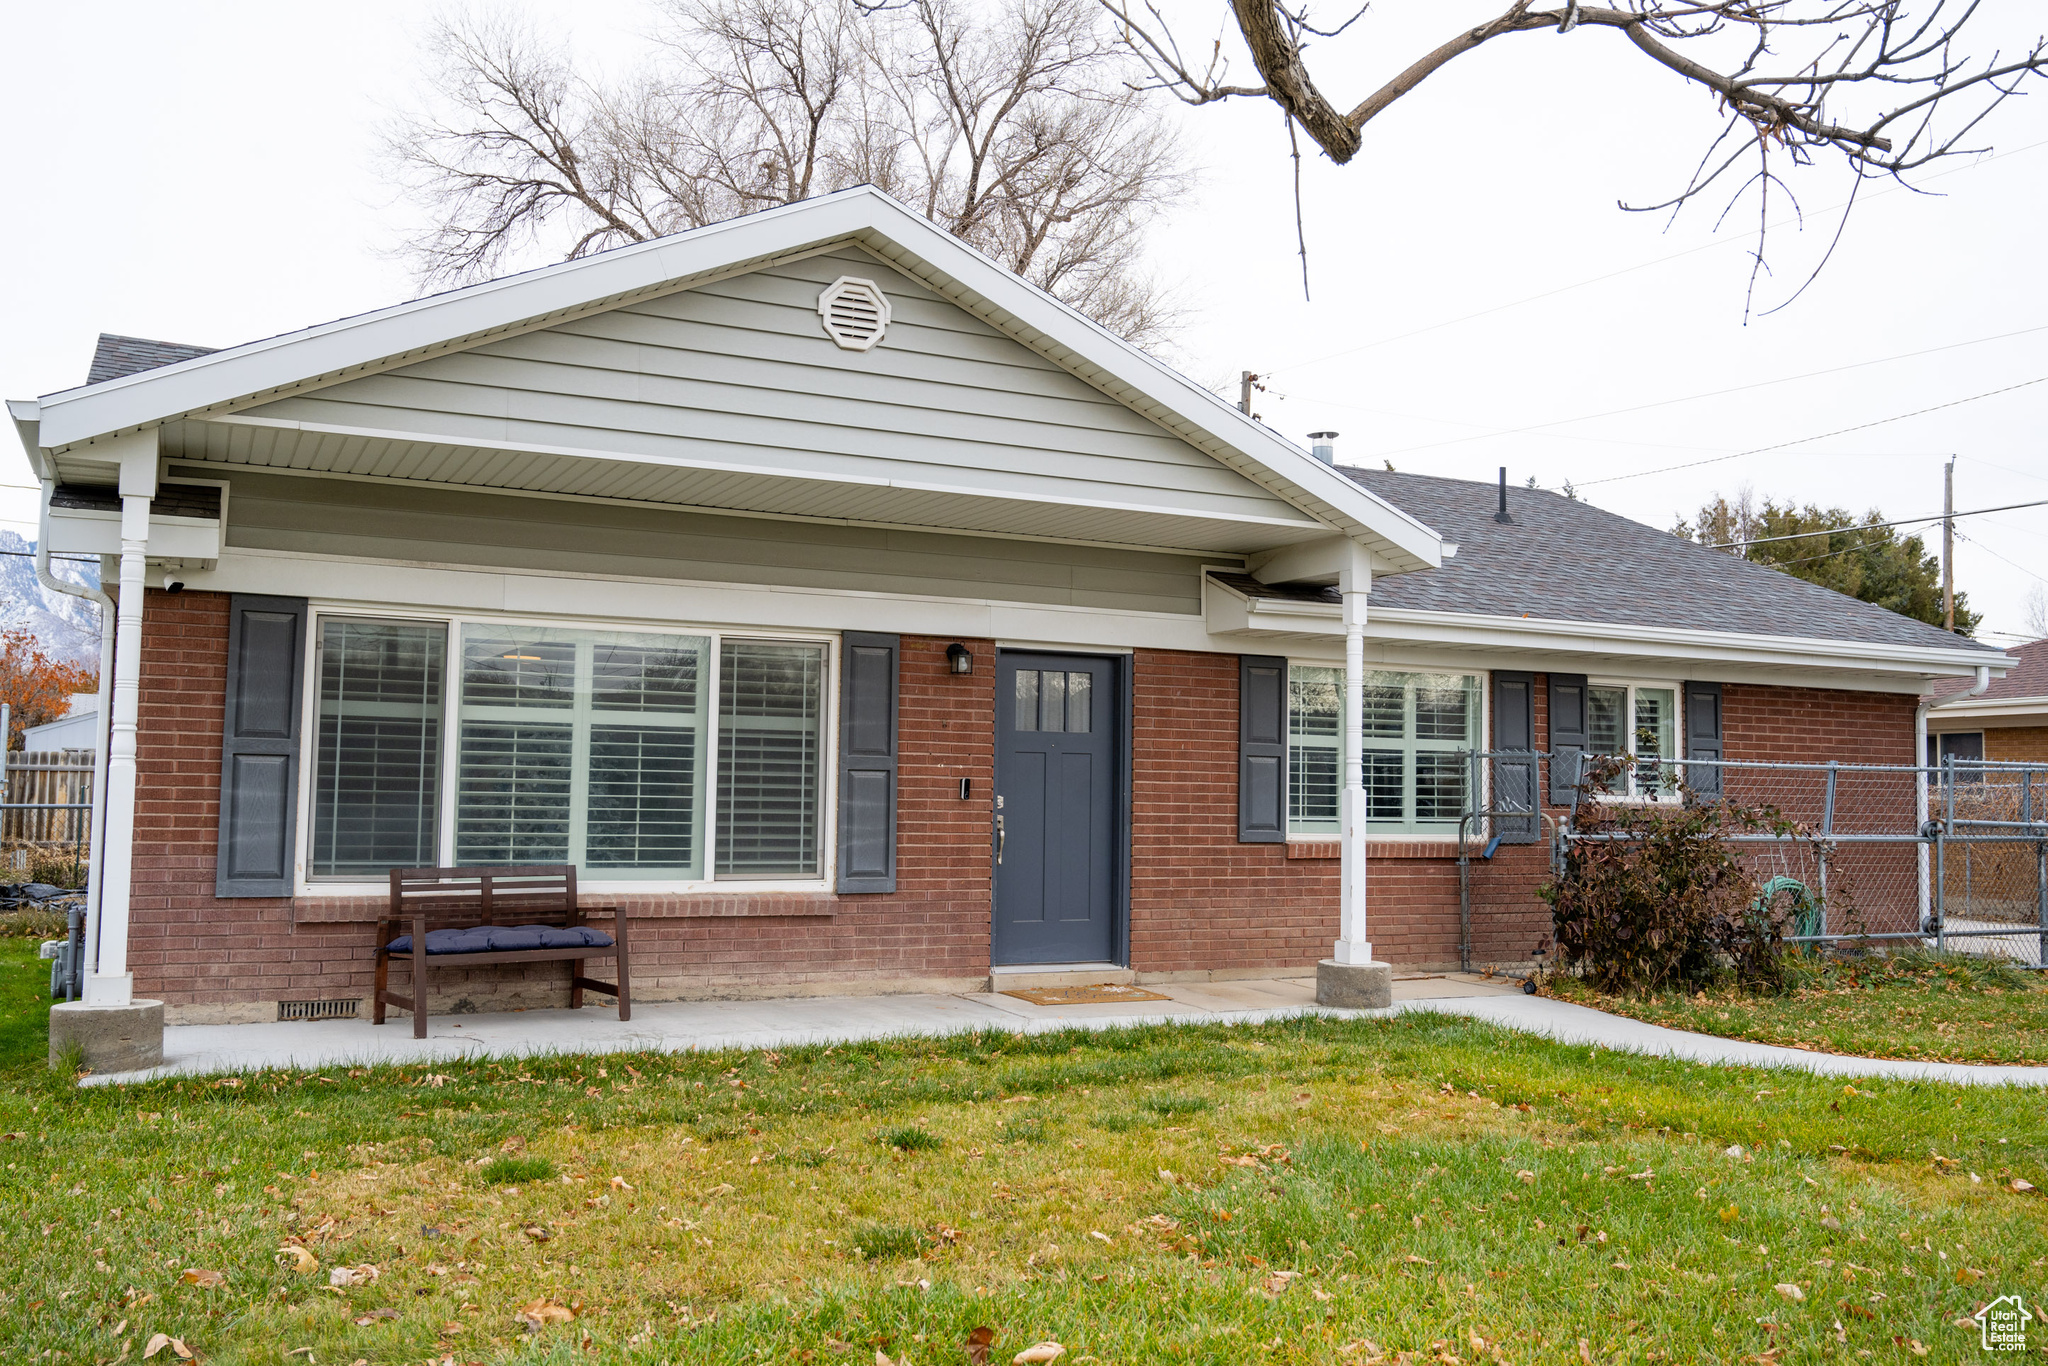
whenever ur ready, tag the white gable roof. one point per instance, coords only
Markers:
(241, 377)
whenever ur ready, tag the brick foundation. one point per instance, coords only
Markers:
(1201, 903)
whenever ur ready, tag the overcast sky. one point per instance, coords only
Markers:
(206, 173)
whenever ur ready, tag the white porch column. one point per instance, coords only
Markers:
(110, 983)
(1352, 944)
(1350, 976)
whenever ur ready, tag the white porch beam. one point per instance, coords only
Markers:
(1351, 976)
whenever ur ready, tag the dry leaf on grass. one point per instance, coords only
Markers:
(159, 1341)
(204, 1279)
(301, 1260)
(537, 1233)
(1790, 1292)
(978, 1341)
(1527, 1178)
(353, 1275)
(2020, 1187)
(365, 1320)
(535, 1315)
(1038, 1352)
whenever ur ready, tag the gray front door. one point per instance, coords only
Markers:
(1058, 745)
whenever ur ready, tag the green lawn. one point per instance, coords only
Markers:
(1949, 1008)
(1319, 1191)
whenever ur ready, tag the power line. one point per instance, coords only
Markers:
(1874, 526)
(1996, 556)
(1717, 393)
(1843, 431)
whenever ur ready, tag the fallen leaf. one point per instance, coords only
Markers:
(365, 1320)
(1968, 1275)
(2020, 1187)
(302, 1261)
(1038, 1352)
(159, 1341)
(352, 1275)
(537, 1233)
(620, 1183)
(1917, 1347)
(536, 1314)
(449, 1330)
(1790, 1292)
(205, 1280)
(1831, 1223)
(1419, 1261)
(1732, 1150)
(978, 1342)
(1526, 1178)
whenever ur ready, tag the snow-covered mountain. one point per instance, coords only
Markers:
(68, 627)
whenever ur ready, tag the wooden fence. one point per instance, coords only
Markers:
(47, 779)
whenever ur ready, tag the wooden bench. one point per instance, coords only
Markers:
(472, 903)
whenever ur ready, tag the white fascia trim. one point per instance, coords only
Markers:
(252, 373)
(740, 467)
(1596, 638)
(27, 416)
(1981, 709)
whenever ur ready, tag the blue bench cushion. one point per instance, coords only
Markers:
(506, 938)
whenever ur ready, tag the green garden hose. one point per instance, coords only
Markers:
(1806, 916)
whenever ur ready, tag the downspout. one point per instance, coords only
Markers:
(94, 882)
(1922, 762)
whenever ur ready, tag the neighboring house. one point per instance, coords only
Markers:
(77, 728)
(2008, 720)
(861, 618)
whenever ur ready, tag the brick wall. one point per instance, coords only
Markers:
(207, 958)
(1201, 903)
(2018, 744)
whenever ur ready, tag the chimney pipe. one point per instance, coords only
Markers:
(1502, 515)
(1323, 446)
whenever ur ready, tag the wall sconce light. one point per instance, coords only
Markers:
(959, 658)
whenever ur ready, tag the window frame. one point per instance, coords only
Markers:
(1632, 685)
(453, 621)
(1482, 694)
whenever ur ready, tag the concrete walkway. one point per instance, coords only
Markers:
(705, 1025)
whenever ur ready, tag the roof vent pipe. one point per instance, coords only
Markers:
(1323, 446)
(1502, 515)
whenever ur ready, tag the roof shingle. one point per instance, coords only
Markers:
(118, 356)
(1564, 560)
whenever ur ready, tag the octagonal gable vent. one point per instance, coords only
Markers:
(856, 312)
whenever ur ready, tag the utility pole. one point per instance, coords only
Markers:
(1948, 546)
(1245, 380)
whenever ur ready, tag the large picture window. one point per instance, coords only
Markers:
(1417, 728)
(633, 755)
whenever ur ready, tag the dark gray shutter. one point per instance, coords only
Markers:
(867, 762)
(1567, 734)
(1261, 749)
(259, 753)
(1703, 736)
(1514, 779)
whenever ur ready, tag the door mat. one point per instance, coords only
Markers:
(1105, 994)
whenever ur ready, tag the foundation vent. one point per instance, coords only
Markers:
(856, 312)
(319, 1010)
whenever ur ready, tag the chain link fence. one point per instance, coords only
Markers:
(1952, 857)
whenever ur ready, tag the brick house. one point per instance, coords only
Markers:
(860, 617)
(2006, 722)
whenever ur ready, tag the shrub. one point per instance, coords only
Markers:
(908, 1138)
(1658, 896)
(512, 1171)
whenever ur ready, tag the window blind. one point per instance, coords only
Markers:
(769, 749)
(378, 770)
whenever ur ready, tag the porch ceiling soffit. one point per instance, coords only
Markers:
(226, 382)
(1523, 640)
(973, 501)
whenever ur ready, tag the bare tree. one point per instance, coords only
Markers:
(1877, 84)
(1020, 129)
(2037, 613)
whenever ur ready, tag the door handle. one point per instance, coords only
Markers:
(999, 838)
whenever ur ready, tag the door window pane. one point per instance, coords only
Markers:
(378, 765)
(770, 705)
(1052, 700)
(582, 747)
(1027, 699)
(1080, 692)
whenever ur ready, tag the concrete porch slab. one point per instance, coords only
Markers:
(703, 1025)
